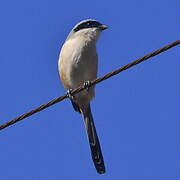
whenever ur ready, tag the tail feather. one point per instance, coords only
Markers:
(75, 106)
(94, 142)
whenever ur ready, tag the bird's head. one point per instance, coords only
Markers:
(88, 28)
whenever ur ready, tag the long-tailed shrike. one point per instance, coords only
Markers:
(77, 65)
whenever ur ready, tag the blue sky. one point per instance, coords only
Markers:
(136, 113)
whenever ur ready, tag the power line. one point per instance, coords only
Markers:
(98, 80)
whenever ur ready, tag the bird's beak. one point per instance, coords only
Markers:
(103, 27)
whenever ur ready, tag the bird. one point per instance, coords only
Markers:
(77, 66)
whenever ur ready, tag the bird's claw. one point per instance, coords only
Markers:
(69, 94)
(87, 85)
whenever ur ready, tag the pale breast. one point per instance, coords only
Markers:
(77, 62)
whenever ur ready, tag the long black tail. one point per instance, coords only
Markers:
(94, 142)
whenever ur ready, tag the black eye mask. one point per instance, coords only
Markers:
(87, 24)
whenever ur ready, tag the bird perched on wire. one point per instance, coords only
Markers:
(77, 66)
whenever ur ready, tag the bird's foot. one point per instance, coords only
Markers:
(87, 85)
(69, 94)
